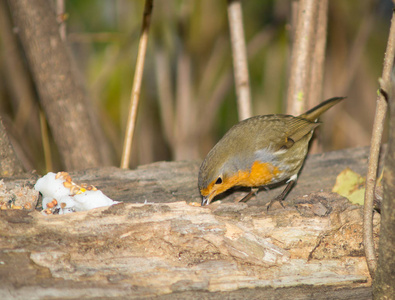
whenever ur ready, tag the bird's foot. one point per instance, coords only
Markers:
(254, 192)
(281, 197)
(277, 199)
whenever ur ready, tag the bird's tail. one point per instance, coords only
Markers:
(314, 113)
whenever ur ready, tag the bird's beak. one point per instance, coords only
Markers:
(206, 200)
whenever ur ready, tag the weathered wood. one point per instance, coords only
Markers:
(173, 250)
(165, 182)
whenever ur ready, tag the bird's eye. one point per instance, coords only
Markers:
(219, 180)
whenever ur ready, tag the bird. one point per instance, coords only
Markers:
(260, 151)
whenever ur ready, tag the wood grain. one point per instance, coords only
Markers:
(167, 248)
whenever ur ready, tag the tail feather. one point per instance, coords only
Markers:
(314, 113)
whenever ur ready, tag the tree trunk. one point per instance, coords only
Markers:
(301, 57)
(9, 163)
(62, 95)
(384, 283)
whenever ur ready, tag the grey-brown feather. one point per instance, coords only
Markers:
(253, 132)
(278, 139)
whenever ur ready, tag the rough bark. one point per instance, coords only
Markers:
(144, 250)
(177, 181)
(312, 249)
(62, 95)
(10, 165)
(18, 78)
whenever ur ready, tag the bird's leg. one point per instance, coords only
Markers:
(281, 197)
(247, 197)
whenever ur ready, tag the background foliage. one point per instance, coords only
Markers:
(188, 98)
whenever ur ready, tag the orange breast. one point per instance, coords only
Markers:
(260, 174)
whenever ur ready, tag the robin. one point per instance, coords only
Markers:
(260, 151)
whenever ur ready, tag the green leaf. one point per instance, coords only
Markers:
(350, 185)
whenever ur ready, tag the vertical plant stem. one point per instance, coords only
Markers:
(138, 75)
(60, 11)
(165, 94)
(378, 124)
(318, 55)
(318, 65)
(239, 59)
(302, 52)
(184, 107)
(357, 49)
(46, 143)
(293, 20)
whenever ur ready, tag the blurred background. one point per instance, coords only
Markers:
(188, 99)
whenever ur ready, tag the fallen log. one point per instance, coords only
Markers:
(158, 245)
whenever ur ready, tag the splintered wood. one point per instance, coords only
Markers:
(138, 250)
(166, 248)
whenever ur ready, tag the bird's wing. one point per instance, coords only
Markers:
(298, 128)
